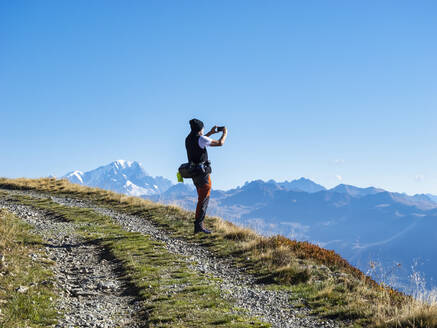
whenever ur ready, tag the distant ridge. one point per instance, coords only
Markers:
(302, 184)
(432, 197)
(356, 191)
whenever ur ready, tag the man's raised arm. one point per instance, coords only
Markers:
(221, 141)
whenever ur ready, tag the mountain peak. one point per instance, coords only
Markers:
(301, 179)
(432, 197)
(128, 177)
(121, 163)
(302, 184)
(75, 176)
(356, 191)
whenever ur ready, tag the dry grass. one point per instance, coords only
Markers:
(330, 285)
(419, 312)
(233, 232)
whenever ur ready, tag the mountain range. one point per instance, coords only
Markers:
(364, 225)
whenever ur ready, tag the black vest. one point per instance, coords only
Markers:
(194, 152)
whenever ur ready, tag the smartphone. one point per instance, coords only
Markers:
(220, 128)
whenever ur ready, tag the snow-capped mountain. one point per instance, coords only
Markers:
(126, 177)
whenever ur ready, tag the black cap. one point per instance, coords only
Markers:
(196, 125)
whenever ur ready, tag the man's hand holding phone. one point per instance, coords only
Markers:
(216, 129)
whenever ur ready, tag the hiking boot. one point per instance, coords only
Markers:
(201, 229)
(205, 231)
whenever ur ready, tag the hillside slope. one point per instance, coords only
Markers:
(363, 225)
(312, 278)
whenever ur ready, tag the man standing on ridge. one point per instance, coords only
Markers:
(196, 143)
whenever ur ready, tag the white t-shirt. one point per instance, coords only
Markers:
(204, 141)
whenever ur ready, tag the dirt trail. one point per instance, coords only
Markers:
(91, 292)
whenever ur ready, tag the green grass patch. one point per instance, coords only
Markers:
(26, 296)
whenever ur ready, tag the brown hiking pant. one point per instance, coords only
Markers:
(203, 186)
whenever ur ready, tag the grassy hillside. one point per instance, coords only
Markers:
(320, 278)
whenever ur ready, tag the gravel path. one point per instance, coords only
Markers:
(91, 294)
(272, 306)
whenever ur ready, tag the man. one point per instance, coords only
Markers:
(196, 144)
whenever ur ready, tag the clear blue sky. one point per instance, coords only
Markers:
(335, 91)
